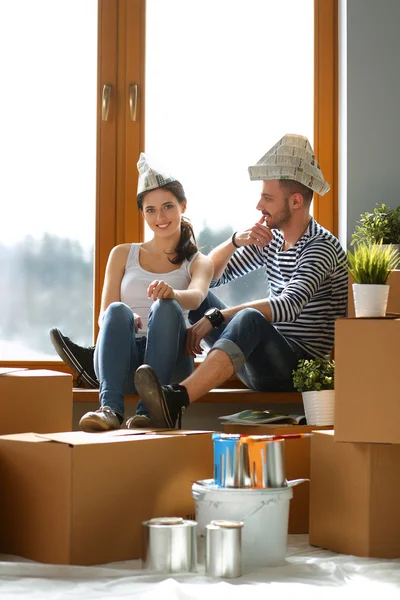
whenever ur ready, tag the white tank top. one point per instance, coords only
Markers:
(136, 280)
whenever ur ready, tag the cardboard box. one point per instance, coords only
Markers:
(297, 466)
(394, 295)
(80, 498)
(355, 497)
(367, 383)
(37, 400)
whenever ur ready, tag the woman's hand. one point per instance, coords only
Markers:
(158, 290)
(195, 334)
(138, 322)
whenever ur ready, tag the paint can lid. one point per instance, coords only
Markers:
(227, 524)
(166, 521)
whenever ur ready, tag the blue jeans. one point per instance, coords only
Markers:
(119, 353)
(262, 358)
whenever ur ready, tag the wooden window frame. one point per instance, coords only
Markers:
(121, 61)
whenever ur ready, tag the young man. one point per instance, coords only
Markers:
(261, 341)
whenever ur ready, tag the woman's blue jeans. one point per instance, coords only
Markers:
(119, 353)
(262, 358)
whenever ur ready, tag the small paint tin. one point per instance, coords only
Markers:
(169, 545)
(224, 549)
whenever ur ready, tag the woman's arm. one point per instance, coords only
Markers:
(113, 276)
(201, 271)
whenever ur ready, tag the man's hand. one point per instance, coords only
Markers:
(259, 235)
(158, 290)
(195, 334)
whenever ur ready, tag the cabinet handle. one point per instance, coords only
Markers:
(105, 101)
(133, 98)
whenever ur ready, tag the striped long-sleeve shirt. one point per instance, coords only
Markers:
(308, 285)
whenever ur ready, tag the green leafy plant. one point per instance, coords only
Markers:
(382, 225)
(371, 264)
(314, 375)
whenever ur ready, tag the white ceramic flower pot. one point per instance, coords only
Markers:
(319, 407)
(370, 300)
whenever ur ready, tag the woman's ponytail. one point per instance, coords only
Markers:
(187, 243)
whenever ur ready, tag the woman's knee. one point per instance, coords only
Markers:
(165, 309)
(118, 311)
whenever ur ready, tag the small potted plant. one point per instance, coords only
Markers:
(380, 226)
(314, 378)
(370, 267)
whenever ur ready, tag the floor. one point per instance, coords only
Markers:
(306, 571)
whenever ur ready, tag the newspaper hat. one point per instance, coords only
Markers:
(291, 158)
(150, 178)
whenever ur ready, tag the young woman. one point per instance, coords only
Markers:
(148, 290)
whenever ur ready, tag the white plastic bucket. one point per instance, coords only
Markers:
(264, 512)
(319, 407)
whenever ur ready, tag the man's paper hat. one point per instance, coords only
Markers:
(291, 158)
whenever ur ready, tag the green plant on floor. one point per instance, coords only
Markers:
(314, 375)
(382, 225)
(371, 264)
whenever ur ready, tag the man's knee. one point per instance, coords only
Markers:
(248, 316)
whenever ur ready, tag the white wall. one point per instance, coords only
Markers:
(369, 108)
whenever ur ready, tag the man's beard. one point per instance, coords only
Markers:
(283, 218)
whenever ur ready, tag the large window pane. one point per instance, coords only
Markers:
(224, 81)
(48, 180)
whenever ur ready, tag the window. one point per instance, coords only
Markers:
(48, 181)
(60, 153)
(224, 82)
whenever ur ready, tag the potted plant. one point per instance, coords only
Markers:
(370, 267)
(380, 226)
(314, 378)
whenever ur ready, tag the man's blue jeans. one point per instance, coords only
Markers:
(119, 353)
(262, 358)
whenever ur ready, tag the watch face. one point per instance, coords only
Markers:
(214, 316)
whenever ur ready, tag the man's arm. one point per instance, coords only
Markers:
(261, 305)
(258, 235)
(315, 263)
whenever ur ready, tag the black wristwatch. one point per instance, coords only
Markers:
(215, 316)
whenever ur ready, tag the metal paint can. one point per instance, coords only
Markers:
(266, 461)
(230, 461)
(224, 549)
(169, 545)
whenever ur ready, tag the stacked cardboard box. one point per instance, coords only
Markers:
(39, 400)
(297, 454)
(355, 471)
(80, 498)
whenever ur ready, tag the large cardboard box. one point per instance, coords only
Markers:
(393, 305)
(80, 498)
(355, 497)
(297, 452)
(367, 380)
(37, 400)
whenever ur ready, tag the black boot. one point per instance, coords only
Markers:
(165, 403)
(78, 358)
